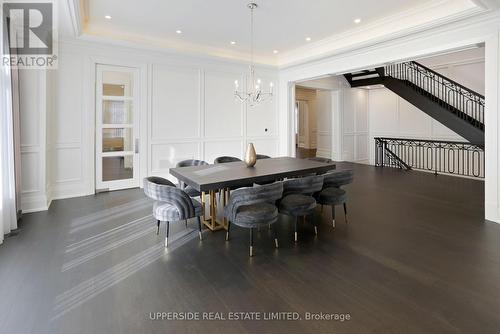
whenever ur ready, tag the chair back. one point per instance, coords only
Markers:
(152, 186)
(319, 159)
(191, 162)
(163, 190)
(268, 193)
(225, 159)
(338, 178)
(306, 185)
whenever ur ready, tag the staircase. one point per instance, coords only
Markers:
(453, 105)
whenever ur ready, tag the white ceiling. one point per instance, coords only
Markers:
(209, 26)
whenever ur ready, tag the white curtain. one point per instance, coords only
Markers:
(8, 219)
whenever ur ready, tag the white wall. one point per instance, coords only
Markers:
(355, 125)
(466, 67)
(33, 112)
(187, 111)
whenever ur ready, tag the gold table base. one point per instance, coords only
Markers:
(212, 222)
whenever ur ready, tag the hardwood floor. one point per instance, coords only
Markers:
(415, 257)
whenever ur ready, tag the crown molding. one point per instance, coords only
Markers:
(487, 4)
(143, 42)
(364, 36)
(76, 15)
(102, 45)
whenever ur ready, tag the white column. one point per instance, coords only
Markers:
(492, 127)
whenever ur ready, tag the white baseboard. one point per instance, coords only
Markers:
(34, 203)
(492, 212)
(69, 190)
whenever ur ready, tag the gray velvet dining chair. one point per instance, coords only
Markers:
(188, 163)
(225, 159)
(320, 159)
(332, 194)
(252, 207)
(298, 200)
(171, 204)
(222, 160)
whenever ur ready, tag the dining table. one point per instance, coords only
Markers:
(222, 178)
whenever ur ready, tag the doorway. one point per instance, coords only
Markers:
(116, 128)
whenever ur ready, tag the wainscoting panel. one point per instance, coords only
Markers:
(223, 113)
(66, 170)
(264, 146)
(176, 102)
(262, 120)
(361, 148)
(383, 110)
(349, 146)
(30, 121)
(29, 169)
(69, 100)
(167, 155)
(349, 111)
(355, 121)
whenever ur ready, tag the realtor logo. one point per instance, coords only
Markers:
(29, 34)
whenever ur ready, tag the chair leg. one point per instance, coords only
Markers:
(199, 227)
(333, 216)
(275, 235)
(186, 223)
(227, 232)
(321, 208)
(296, 225)
(251, 242)
(315, 229)
(157, 227)
(345, 212)
(167, 226)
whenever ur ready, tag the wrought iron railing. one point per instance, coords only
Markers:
(440, 157)
(456, 97)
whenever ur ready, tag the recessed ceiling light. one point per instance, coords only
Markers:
(275, 51)
(308, 39)
(107, 17)
(178, 31)
(357, 21)
(232, 42)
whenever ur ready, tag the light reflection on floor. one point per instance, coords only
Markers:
(90, 248)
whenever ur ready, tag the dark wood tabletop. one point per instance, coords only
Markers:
(237, 174)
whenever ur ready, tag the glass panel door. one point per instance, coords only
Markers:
(116, 127)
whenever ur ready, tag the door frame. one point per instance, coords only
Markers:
(141, 111)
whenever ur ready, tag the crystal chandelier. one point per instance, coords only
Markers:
(253, 93)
